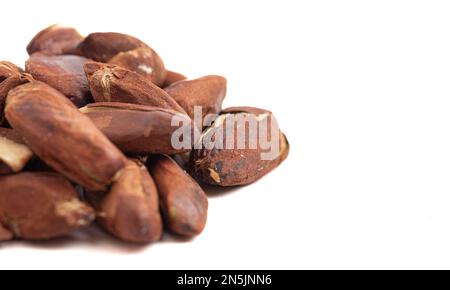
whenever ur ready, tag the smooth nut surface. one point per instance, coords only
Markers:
(64, 73)
(56, 39)
(35, 206)
(62, 137)
(130, 210)
(183, 203)
(137, 128)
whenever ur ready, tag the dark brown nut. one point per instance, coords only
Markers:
(130, 210)
(172, 77)
(138, 129)
(14, 154)
(9, 84)
(207, 92)
(5, 234)
(8, 69)
(103, 46)
(56, 39)
(36, 206)
(244, 164)
(63, 137)
(110, 83)
(144, 61)
(183, 203)
(63, 72)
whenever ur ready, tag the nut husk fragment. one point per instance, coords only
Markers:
(234, 166)
(14, 154)
(7, 85)
(130, 210)
(144, 61)
(207, 92)
(63, 137)
(64, 73)
(137, 128)
(36, 206)
(172, 77)
(110, 83)
(56, 39)
(183, 203)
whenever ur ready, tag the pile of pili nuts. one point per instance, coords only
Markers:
(86, 136)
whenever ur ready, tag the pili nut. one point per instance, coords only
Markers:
(172, 77)
(8, 69)
(207, 92)
(130, 209)
(36, 206)
(7, 85)
(144, 61)
(111, 83)
(103, 46)
(64, 73)
(14, 154)
(61, 136)
(140, 129)
(56, 39)
(233, 166)
(183, 203)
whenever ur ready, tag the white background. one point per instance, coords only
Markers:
(361, 89)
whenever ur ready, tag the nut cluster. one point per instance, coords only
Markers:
(86, 135)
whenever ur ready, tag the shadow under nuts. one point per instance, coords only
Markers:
(61, 136)
(36, 206)
(130, 210)
(233, 166)
(184, 204)
(136, 128)
(14, 154)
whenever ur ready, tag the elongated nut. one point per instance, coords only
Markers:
(172, 77)
(64, 73)
(14, 154)
(239, 161)
(36, 206)
(63, 137)
(130, 210)
(144, 61)
(56, 39)
(207, 92)
(110, 83)
(103, 46)
(183, 203)
(140, 129)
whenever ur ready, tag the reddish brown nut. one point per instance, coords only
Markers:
(139, 129)
(103, 46)
(63, 72)
(14, 154)
(8, 69)
(242, 163)
(5, 234)
(144, 61)
(56, 39)
(183, 203)
(63, 137)
(130, 210)
(172, 77)
(207, 92)
(36, 206)
(9, 84)
(110, 83)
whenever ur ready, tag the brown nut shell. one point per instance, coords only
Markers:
(172, 77)
(207, 92)
(137, 128)
(111, 83)
(183, 202)
(237, 166)
(9, 84)
(64, 73)
(14, 154)
(103, 46)
(5, 234)
(36, 206)
(130, 210)
(56, 39)
(61, 136)
(144, 61)
(8, 69)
